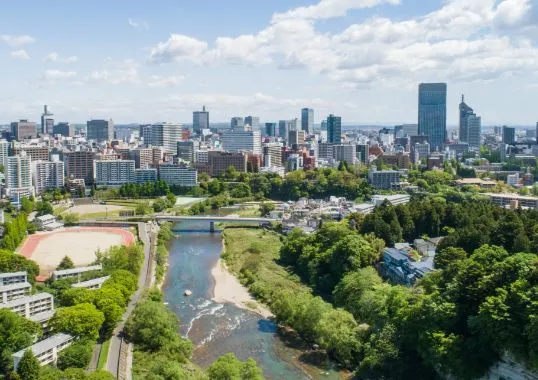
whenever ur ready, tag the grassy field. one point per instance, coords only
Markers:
(252, 254)
(103, 355)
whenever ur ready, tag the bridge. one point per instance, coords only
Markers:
(214, 219)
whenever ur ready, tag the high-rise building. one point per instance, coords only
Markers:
(4, 151)
(253, 121)
(48, 174)
(242, 141)
(410, 129)
(64, 128)
(143, 157)
(237, 122)
(285, 126)
(270, 129)
(200, 120)
(18, 177)
(470, 125)
(35, 152)
(362, 154)
(272, 155)
(326, 151)
(144, 131)
(100, 130)
(175, 175)
(334, 129)
(307, 120)
(79, 165)
(186, 149)
(220, 161)
(47, 122)
(296, 137)
(23, 129)
(432, 112)
(166, 135)
(114, 173)
(509, 135)
(345, 152)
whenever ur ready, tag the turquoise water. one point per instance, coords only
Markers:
(216, 329)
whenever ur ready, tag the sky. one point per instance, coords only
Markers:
(148, 61)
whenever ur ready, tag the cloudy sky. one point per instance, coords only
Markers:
(146, 61)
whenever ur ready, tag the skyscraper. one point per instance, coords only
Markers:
(166, 135)
(18, 177)
(509, 135)
(270, 129)
(23, 129)
(470, 125)
(47, 122)
(200, 120)
(334, 129)
(100, 130)
(253, 121)
(307, 120)
(432, 112)
(237, 123)
(285, 126)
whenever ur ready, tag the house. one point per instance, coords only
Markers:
(404, 265)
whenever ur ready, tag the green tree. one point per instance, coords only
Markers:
(28, 368)
(70, 219)
(241, 190)
(44, 208)
(228, 367)
(266, 208)
(27, 205)
(82, 321)
(77, 355)
(66, 263)
(447, 256)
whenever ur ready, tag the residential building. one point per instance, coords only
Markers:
(432, 113)
(30, 306)
(270, 129)
(146, 175)
(166, 135)
(272, 155)
(470, 125)
(345, 152)
(64, 128)
(46, 351)
(48, 174)
(13, 278)
(307, 120)
(326, 151)
(74, 272)
(294, 162)
(23, 129)
(201, 156)
(35, 152)
(12, 291)
(334, 129)
(157, 155)
(383, 179)
(399, 159)
(18, 177)
(237, 123)
(402, 267)
(220, 161)
(513, 200)
(434, 161)
(143, 157)
(95, 283)
(4, 151)
(242, 141)
(100, 130)
(114, 173)
(421, 151)
(186, 149)
(175, 175)
(363, 153)
(253, 121)
(508, 135)
(79, 165)
(200, 120)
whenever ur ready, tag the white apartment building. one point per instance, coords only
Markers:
(48, 174)
(18, 176)
(46, 351)
(30, 306)
(13, 278)
(175, 175)
(95, 283)
(242, 141)
(12, 291)
(74, 272)
(113, 173)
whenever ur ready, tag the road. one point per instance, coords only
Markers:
(113, 360)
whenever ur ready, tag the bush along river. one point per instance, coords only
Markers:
(218, 328)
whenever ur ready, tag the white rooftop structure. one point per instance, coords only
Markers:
(46, 351)
(13, 277)
(74, 272)
(95, 283)
(11, 291)
(398, 199)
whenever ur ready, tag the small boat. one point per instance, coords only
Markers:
(188, 292)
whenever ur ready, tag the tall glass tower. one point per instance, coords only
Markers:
(334, 129)
(200, 120)
(470, 125)
(307, 120)
(432, 112)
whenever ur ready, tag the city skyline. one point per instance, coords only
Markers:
(139, 66)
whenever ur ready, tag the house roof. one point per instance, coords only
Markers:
(45, 345)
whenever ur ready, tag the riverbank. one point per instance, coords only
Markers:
(228, 289)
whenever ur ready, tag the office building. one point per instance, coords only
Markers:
(237, 123)
(345, 152)
(272, 155)
(64, 129)
(18, 177)
(362, 154)
(143, 157)
(307, 120)
(508, 135)
(470, 125)
(186, 149)
(296, 138)
(253, 121)
(420, 152)
(201, 156)
(146, 175)
(409, 130)
(46, 351)
(48, 175)
(30, 306)
(383, 179)
(242, 141)
(23, 129)
(144, 132)
(200, 120)
(47, 122)
(165, 135)
(12, 291)
(334, 129)
(270, 129)
(79, 165)
(326, 151)
(114, 173)
(285, 126)
(74, 272)
(4, 151)
(220, 161)
(35, 152)
(432, 113)
(13, 278)
(175, 175)
(95, 283)
(413, 140)
(100, 130)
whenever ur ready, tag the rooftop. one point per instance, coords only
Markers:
(95, 281)
(24, 300)
(43, 317)
(18, 285)
(13, 274)
(77, 270)
(45, 344)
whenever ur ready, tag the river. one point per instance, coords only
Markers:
(216, 329)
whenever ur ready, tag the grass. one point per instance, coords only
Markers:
(103, 356)
(249, 211)
(58, 210)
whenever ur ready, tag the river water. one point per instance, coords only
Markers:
(216, 329)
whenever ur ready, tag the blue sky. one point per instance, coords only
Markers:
(146, 61)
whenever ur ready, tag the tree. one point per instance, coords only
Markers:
(70, 219)
(142, 208)
(160, 205)
(16, 333)
(29, 366)
(11, 262)
(228, 367)
(447, 256)
(241, 190)
(44, 208)
(66, 263)
(77, 355)
(266, 208)
(82, 321)
(27, 205)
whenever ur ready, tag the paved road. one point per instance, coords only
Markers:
(144, 279)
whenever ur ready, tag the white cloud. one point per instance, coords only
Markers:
(163, 81)
(55, 57)
(178, 47)
(19, 54)
(16, 40)
(142, 24)
(58, 74)
(116, 72)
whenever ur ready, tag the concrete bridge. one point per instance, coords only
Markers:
(214, 219)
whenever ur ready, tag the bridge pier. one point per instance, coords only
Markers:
(211, 226)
